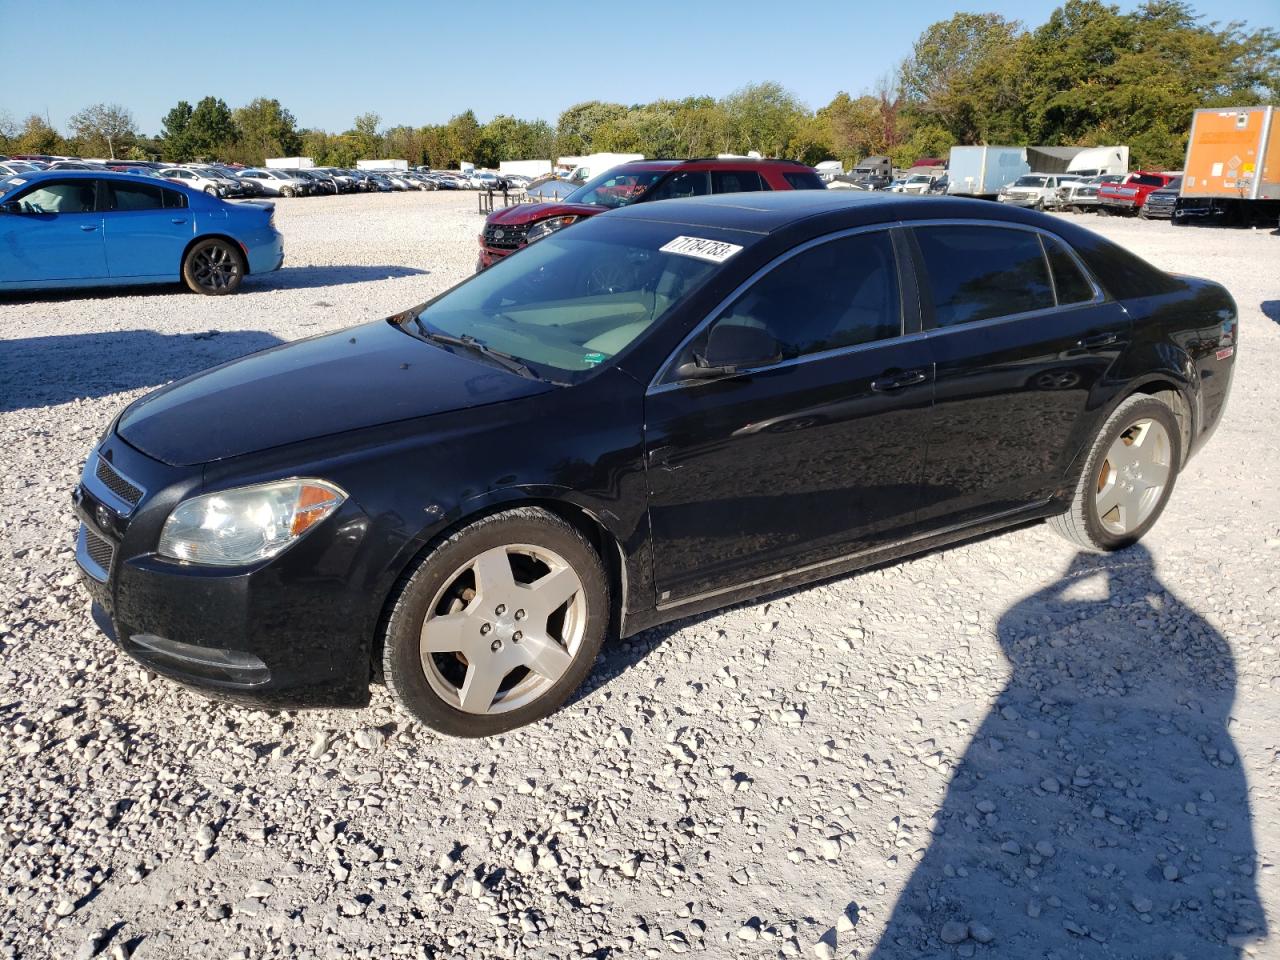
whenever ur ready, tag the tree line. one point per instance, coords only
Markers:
(1089, 75)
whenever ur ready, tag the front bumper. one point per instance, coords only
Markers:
(491, 255)
(294, 631)
(1019, 200)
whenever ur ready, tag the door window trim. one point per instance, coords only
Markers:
(928, 323)
(909, 320)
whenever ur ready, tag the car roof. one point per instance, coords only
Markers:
(767, 212)
(37, 177)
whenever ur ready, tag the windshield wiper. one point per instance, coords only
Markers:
(468, 342)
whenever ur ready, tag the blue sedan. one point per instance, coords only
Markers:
(81, 228)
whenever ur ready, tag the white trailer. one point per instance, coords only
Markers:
(290, 163)
(525, 168)
(382, 164)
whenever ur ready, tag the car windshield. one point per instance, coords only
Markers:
(615, 189)
(1029, 182)
(570, 302)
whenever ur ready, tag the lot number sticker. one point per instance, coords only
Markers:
(716, 251)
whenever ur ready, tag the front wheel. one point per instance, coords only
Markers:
(498, 625)
(288, 192)
(213, 267)
(1127, 479)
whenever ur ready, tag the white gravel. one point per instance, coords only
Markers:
(998, 750)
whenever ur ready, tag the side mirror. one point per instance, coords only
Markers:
(13, 206)
(731, 347)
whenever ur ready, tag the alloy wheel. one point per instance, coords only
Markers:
(503, 629)
(215, 267)
(1133, 476)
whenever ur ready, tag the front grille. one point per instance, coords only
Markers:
(95, 553)
(512, 236)
(117, 484)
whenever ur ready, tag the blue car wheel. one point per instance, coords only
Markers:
(213, 267)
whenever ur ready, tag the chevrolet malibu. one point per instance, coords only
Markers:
(667, 409)
(72, 228)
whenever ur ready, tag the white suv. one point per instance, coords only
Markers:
(916, 183)
(1037, 190)
(277, 183)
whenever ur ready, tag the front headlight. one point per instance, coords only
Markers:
(247, 524)
(548, 227)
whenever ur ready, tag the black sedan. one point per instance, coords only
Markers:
(667, 409)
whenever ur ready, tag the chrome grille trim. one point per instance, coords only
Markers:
(113, 490)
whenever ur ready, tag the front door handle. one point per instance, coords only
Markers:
(88, 227)
(1098, 341)
(179, 220)
(897, 381)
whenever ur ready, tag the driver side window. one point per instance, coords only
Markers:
(72, 196)
(837, 294)
(687, 183)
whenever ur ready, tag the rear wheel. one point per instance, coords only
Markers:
(498, 625)
(1127, 479)
(288, 192)
(213, 267)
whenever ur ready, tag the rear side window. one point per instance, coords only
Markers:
(976, 273)
(1071, 284)
(1147, 180)
(735, 181)
(804, 180)
(684, 183)
(173, 199)
(837, 294)
(134, 196)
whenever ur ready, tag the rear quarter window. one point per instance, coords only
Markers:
(1123, 275)
(804, 180)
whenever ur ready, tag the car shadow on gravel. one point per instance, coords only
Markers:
(302, 278)
(47, 371)
(1271, 309)
(1101, 808)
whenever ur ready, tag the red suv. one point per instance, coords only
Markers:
(1131, 193)
(509, 229)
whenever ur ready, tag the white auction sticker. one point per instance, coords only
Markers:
(717, 251)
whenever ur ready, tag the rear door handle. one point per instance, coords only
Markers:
(88, 227)
(1098, 341)
(179, 220)
(897, 381)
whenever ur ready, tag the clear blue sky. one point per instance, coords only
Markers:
(327, 62)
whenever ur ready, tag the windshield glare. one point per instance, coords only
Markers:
(1030, 182)
(614, 190)
(570, 302)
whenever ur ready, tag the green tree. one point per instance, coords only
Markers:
(763, 117)
(173, 132)
(365, 135)
(211, 131)
(8, 131)
(961, 72)
(37, 136)
(103, 128)
(576, 128)
(267, 129)
(462, 139)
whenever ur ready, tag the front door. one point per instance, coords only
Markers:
(53, 233)
(1022, 341)
(147, 228)
(804, 459)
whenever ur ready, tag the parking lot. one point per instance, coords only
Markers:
(999, 749)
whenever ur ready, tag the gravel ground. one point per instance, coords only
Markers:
(1003, 749)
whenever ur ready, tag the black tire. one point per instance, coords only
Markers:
(409, 605)
(211, 191)
(213, 267)
(1081, 524)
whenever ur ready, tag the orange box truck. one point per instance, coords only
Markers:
(1232, 173)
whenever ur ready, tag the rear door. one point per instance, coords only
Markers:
(147, 227)
(1022, 341)
(56, 235)
(804, 459)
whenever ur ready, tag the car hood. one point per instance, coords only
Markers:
(522, 213)
(360, 377)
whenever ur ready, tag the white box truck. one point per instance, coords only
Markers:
(982, 171)
(525, 168)
(290, 163)
(382, 164)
